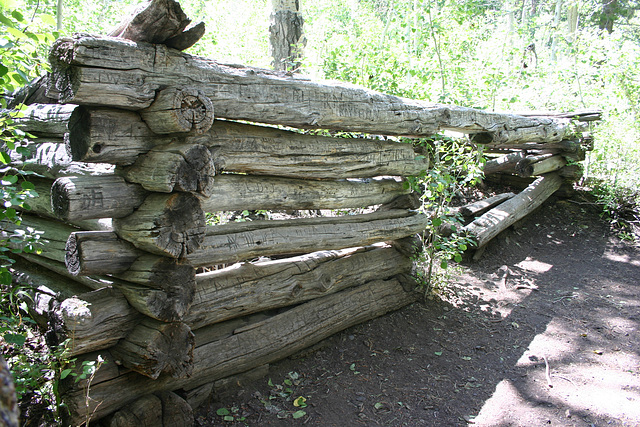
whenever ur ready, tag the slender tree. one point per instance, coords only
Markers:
(286, 34)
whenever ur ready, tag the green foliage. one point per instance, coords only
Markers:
(454, 166)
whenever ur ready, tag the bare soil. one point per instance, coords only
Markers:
(542, 330)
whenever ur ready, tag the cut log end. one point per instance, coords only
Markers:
(179, 110)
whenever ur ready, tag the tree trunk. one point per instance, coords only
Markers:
(241, 241)
(154, 347)
(239, 192)
(286, 37)
(177, 110)
(503, 216)
(90, 70)
(91, 197)
(9, 411)
(263, 342)
(168, 225)
(253, 287)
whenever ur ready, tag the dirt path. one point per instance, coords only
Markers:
(543, 330)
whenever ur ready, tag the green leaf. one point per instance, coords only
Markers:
(64, 374)
(228, 418)
(437, 222)
(4, 157)
(223, 411)
(27, 185)
(298, 414)
(457, 258)
(444, 264)
(16, 33)
(438, 353)
(17, 339)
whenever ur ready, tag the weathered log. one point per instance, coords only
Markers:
(537, 166)
(32, 93)
(243, 288)
(145, 411)
(406, 201)
(409, 246)
(90, 197)
(45, 119)
(255, 345)
(93, 321)
(525, 134)
(179, 110)
(41, 206)
(49, 158)
(124, 74)
(158, 21)
(572, 172)
(481, 206)
(175, 410)
(490, 224)
(98, 252)
(55, 233)
(252, 149)
(154, 347)
(174, 167)
(167, 225)
(156, 303)
(239, 192)
(582, 115)
(564, 146)
(240, 241)
(505, 163)
(509, 180)
(228, 385)
(103, 135)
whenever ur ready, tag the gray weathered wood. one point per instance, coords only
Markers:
(481, 206)
(258, 344)
(239, 192)
(159, 21)
(241, 241)
(540, 165)
(91, 70)
(103, 135)
(91, 197)
(490, 224)
(154, 347)
(93, 320)
(252, 287)
(175, 410)
(564, 146)
(45, 119)
(54, 237)
(174, 167)
(98, 252)
(505, 163)
(50, 158)
(145, 411)
(179, 110)
(165, 224)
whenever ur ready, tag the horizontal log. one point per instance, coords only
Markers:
(174, 167)
(489, 225)
(156, 303)
(49, 158)
(163, 409)
(98, 252)
(45, 119)
(91, 70)
(154, 347)
(103, 135)
(241, 241)
(572, 172)
(90, 197)
(582, 115)
(505, 163)
(53, 235)
(93, 320)
(262, 150)
(167, 225)
(257, 150)
(539, 167)
(260, 343)
(564, 146)
(252, 287)
(240, 192)
(179, 110)
(481, 206)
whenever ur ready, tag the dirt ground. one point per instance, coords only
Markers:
(542, 330)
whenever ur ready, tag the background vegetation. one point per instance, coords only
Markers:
(515, 55)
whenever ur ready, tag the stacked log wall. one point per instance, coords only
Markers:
(129, 174)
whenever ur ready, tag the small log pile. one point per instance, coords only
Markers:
(132, 161)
